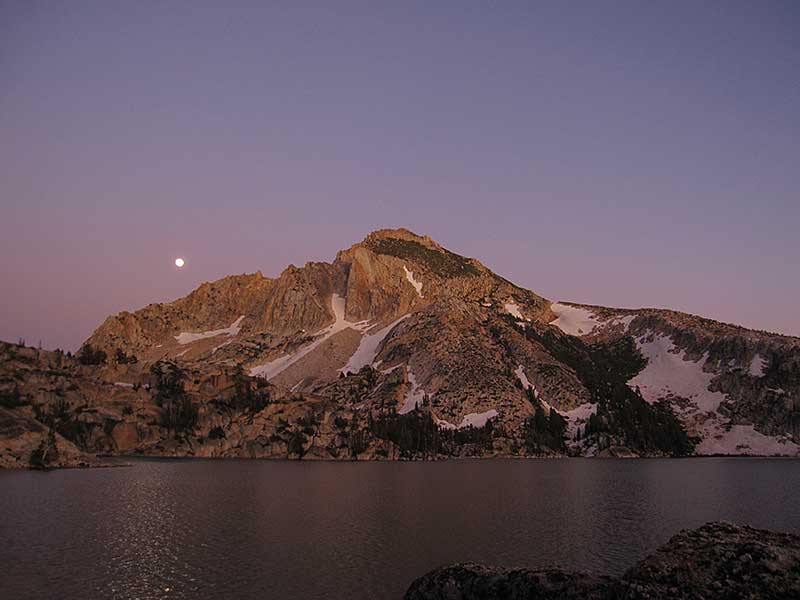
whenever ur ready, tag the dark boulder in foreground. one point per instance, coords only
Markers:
(718, 560)
(468, 581)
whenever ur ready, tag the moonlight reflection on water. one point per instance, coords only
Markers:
(257, 529)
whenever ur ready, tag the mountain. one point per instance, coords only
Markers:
(400, 348)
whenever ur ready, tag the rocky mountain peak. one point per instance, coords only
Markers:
(424, 326)
(401, 233)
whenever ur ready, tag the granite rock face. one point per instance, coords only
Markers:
(717, 561)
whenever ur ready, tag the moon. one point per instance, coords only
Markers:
(179, 262)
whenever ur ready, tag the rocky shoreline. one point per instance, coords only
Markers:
(716, 561)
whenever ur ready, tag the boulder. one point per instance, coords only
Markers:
(125, 436)
(473, 581)
(717, 561)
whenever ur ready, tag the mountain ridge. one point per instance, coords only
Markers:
(399, 348)
(684, 315)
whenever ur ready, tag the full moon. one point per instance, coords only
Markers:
(179, 262)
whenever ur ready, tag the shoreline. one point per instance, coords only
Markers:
(156, 458)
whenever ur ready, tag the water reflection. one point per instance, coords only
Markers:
(256, 529)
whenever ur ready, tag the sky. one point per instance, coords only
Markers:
(621, 153)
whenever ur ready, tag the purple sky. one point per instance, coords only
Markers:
(627, 153)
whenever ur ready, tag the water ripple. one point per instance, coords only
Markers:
(256, 529)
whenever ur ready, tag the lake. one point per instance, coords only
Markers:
(277, 529)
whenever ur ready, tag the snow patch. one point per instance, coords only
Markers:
(577, 417)
(417, 284)
(414, 395)
(624, 321)
(442, 424)
(520, 373)
(744, 439)
(368, 348)
(573, 320)
(280, 364)
(512, 308)
(669, 373)
(476, 420)
(580, 321)
(757, 366)
(188, 338)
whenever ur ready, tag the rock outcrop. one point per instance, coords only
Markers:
(716, 561)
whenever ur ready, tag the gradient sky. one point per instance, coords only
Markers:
(620, 153)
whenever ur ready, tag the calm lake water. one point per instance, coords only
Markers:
(272, 529)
